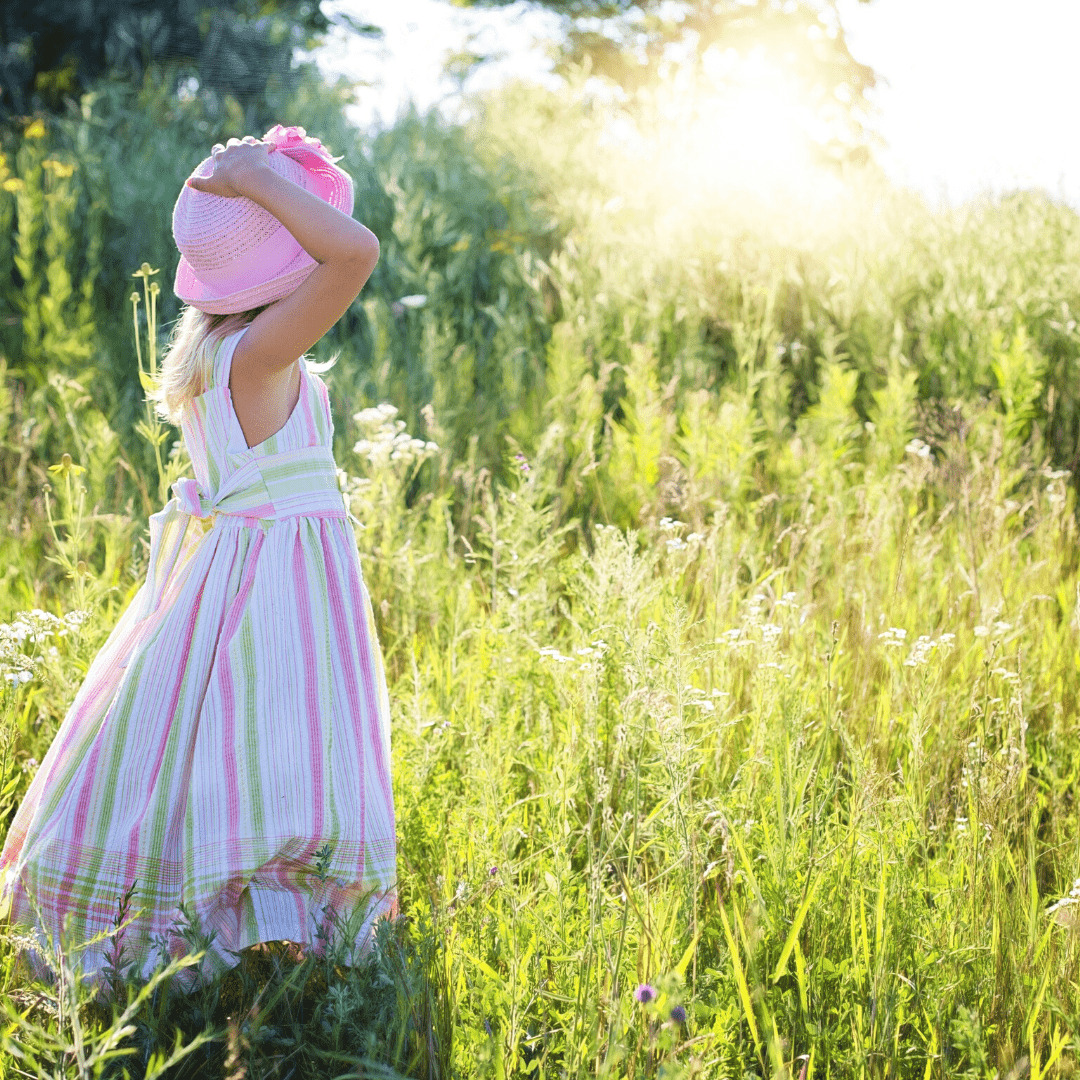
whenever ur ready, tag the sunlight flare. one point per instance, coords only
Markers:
(736, 139)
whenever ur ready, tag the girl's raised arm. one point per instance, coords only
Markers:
(346, 251)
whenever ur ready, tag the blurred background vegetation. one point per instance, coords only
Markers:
(506, 241)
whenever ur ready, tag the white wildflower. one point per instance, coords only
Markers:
(922, 648)
(376, 416)
(554, 654)
(1067, 901)
(385, 438)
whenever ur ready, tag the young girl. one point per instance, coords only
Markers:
(234, 728)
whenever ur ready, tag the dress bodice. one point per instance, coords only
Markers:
(291, 472)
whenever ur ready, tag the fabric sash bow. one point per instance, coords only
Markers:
(172, 543)
(191, 500)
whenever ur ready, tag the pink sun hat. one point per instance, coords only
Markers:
(234, 255)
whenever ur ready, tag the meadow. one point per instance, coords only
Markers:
(725, 566)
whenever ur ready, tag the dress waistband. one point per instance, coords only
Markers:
(290, 484)
(302, 483)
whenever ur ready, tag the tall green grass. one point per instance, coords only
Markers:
(806, 768)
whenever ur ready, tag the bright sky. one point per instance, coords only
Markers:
(981, 93)
(975, 94)
(417, 36)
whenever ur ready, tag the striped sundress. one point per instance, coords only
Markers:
(235, 721)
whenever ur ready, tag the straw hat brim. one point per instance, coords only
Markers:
(191, 290)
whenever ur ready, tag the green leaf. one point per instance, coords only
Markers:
(793, 933)
(740, 980)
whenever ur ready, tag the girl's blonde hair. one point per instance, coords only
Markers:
(187, 361)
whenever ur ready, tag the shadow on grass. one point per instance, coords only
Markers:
(279, 1012)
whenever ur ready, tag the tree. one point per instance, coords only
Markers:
(53, 50)
(632, 43)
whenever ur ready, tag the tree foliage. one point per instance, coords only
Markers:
(634, 42)
(53, 50)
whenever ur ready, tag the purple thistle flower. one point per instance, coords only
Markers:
(493, 871)
(644, 993)
(678, 1014)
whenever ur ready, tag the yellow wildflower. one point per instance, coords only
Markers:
(505, 241)
(13, 183)
(66, 466)
(57, 167)
(36, 130)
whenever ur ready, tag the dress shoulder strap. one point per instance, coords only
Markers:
(223, 356)
(323, 395)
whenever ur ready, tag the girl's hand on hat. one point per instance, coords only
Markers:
(233, 164)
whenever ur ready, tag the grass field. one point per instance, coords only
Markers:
(725, 743)
(805, 767)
